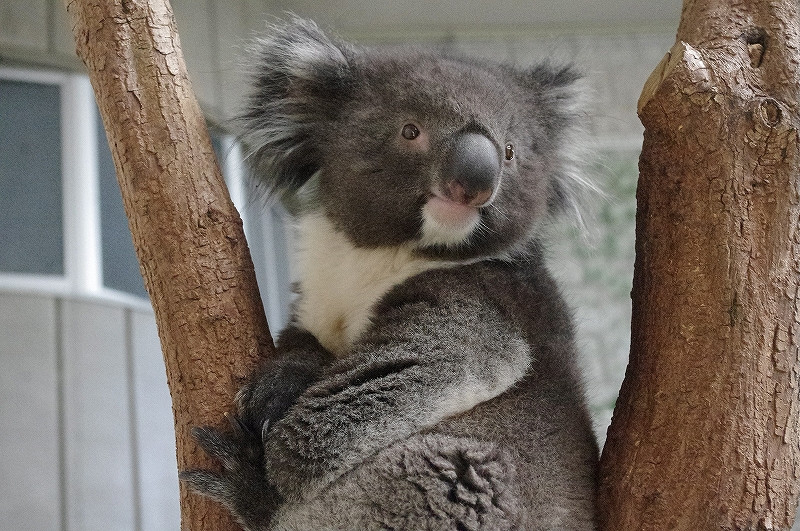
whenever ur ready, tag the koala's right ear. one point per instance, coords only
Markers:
(299, 81)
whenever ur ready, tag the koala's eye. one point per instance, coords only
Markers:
(410, 131)
(509, 151)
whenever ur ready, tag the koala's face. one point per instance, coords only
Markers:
(456, 158)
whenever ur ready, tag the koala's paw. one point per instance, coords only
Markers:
(267, 398)
(242, 486)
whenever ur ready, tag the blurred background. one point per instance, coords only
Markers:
(85, 416)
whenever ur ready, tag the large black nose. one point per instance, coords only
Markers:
(471, 170)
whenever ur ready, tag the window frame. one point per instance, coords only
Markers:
(81, 215)
(80, 188)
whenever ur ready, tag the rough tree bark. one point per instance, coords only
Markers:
(705, 432)
(187, 234)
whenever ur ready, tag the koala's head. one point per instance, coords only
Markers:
(457, 158)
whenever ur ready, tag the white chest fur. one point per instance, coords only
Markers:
(340, 283)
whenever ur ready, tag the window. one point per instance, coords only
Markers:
(49, 224)
(31, 222)
(62, 223)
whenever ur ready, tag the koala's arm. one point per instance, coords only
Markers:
(417, 365)
(242, 486)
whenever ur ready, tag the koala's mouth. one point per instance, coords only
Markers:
(456, 215)
(447, 223)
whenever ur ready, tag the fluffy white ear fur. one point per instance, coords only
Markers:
(340, 283)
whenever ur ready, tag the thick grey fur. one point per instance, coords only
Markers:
(362, 442)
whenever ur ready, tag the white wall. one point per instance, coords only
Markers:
(86, 426)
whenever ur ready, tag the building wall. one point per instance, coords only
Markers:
(86, 438)
(616, 42)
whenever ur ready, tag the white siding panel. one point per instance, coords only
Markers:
(98, 468)
(155, 437)
(29, 433)
(23, 23)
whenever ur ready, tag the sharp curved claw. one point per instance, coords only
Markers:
(239, 427)
(264, 431)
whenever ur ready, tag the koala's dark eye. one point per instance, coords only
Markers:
(410, 131)
(509, 151)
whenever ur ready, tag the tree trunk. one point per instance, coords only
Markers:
(187, 234)
(705, 432)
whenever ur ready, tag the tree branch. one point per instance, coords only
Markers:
(705, 432)
(187, 234)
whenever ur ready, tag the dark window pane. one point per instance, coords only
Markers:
(120, 265)
(30, 178)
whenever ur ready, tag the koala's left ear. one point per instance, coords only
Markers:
(558, 96)
(300, 79)
(558, 101)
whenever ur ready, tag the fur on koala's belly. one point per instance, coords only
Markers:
(510, 449)
(427, 379)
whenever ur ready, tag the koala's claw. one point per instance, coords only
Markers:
(242, 486)
(206, 483)
(238, 426)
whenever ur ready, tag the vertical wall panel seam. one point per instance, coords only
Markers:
(133, 420)
(52, 5)
(58, 309)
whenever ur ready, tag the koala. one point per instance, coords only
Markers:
(427, 379)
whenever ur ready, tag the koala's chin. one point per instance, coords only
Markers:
(447, 223)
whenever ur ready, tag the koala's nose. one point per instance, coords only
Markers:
(471, 170)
